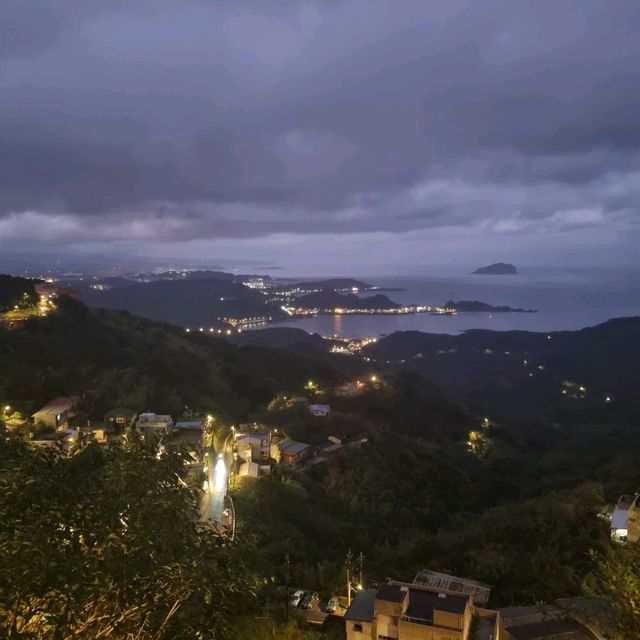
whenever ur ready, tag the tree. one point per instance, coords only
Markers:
(108, 544)
(617, 575)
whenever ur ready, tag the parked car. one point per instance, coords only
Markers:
(296, 597)
(332, 605)
(310, 598)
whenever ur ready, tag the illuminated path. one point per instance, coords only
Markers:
(212, 503)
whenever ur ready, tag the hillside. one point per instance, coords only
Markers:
(589, 374)
(329, 299)
(13, 289)
(190, 302)
(474, 306)
(115, 359)
(336, 284)
(414, 494)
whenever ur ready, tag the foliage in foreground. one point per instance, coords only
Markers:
(617, 575)
(107, 544)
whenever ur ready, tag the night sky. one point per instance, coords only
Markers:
(333, 135)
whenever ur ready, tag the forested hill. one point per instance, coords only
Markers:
(12, 289)
(587, 375)
(115, 359)
(191, 302)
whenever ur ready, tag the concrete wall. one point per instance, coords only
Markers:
(368, 630)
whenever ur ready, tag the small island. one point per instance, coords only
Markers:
(497, 269)
(476, 305)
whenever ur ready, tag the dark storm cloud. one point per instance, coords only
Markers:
(157, 120)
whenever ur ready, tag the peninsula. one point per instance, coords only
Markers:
(476, 305)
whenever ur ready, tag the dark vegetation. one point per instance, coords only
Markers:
(16, 291)
(524, 373)
(189, 302)
(106, 544)
(114, 359)
(477, 306)
(329, 283)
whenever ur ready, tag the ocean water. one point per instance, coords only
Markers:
(564, 299)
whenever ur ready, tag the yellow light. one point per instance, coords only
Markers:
(7, 407)
(374, 378)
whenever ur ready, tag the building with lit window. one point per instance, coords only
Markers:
(56, 414)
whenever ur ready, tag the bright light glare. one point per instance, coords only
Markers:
(220, 475)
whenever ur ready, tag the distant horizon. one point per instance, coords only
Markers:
(17, 264)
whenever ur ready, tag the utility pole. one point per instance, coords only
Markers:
(360, 562)
(347, 563)
(286, 587)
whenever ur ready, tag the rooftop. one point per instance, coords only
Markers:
(422, 604)
(391, 593)
(620, 519)
(189, 423)
(59, 404)
(550, 630)
(258, 435)
(452, 584)
(292, 448)
(362, 607)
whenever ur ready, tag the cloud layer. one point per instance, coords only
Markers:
(160, 122)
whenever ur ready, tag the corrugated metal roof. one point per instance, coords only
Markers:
(620, 519)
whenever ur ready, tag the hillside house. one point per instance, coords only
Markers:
(56, 414)
(292, 452)
(122, 419)
(258, 442)
(625, 520)
(408, 612)
(149, 423)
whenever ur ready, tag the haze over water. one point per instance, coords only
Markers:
(565, 300)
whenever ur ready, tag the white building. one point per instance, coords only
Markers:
(154, 423)
(320, 410)
(259, 442)
(625, 521)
